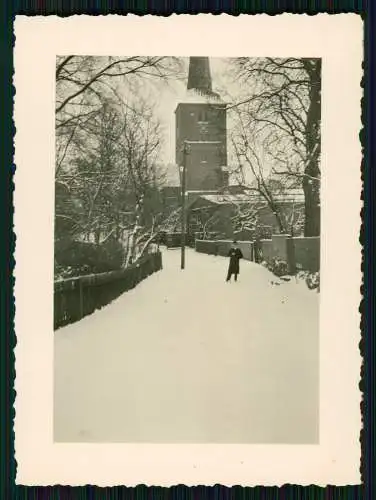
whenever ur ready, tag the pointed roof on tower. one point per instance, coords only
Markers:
(199, 79)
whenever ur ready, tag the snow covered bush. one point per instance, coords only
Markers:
(277, 266)
(280, 268)
(80, 258)
(313, 280)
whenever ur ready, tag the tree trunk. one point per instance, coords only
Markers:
(281, 226)
(311, 182)
(97, 236)
(312, 213)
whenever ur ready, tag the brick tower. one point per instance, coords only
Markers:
(201, 120)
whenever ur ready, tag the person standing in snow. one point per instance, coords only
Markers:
(235, 255)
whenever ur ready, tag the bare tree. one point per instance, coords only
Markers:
(246, 217)
(250, 160)
(84, 82)
(284, 105)
(112, 174)
(80, 77)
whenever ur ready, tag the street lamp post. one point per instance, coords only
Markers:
(183, 208)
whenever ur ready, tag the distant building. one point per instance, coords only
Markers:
(212, 203)
(200, 119)
(244, 216)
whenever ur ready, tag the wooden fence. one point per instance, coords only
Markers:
(75, 298)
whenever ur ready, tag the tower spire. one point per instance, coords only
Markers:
(199, 77)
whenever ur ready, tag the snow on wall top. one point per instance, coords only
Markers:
(195, 96)
(223, 199)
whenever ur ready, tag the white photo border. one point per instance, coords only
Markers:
(338, 41)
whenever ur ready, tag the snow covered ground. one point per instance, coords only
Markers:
(186, 357)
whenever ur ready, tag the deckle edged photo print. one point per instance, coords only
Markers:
(193, 203)
(241, 186)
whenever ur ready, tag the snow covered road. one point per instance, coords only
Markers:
(186, 357)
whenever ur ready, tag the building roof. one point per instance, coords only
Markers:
(194, 96)
(199, 84)
(293, 196)
(225, 199)
(199, 77)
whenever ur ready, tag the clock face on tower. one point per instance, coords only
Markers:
(203, 126)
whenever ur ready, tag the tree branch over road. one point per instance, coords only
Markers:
(282, 114)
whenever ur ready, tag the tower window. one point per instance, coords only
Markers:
(203, 116)
(203, 127)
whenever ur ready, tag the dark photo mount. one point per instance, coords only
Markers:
(8, 336)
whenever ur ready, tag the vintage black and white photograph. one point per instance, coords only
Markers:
(188, 265)
(187, 249)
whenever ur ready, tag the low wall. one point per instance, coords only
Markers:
(222, 247)
(247, 249)
(279, 246)
(173, 240)
(307, 253)
(267, 249)
(206, 246)
(300, 253)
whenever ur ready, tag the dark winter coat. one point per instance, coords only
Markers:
(235, 255)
